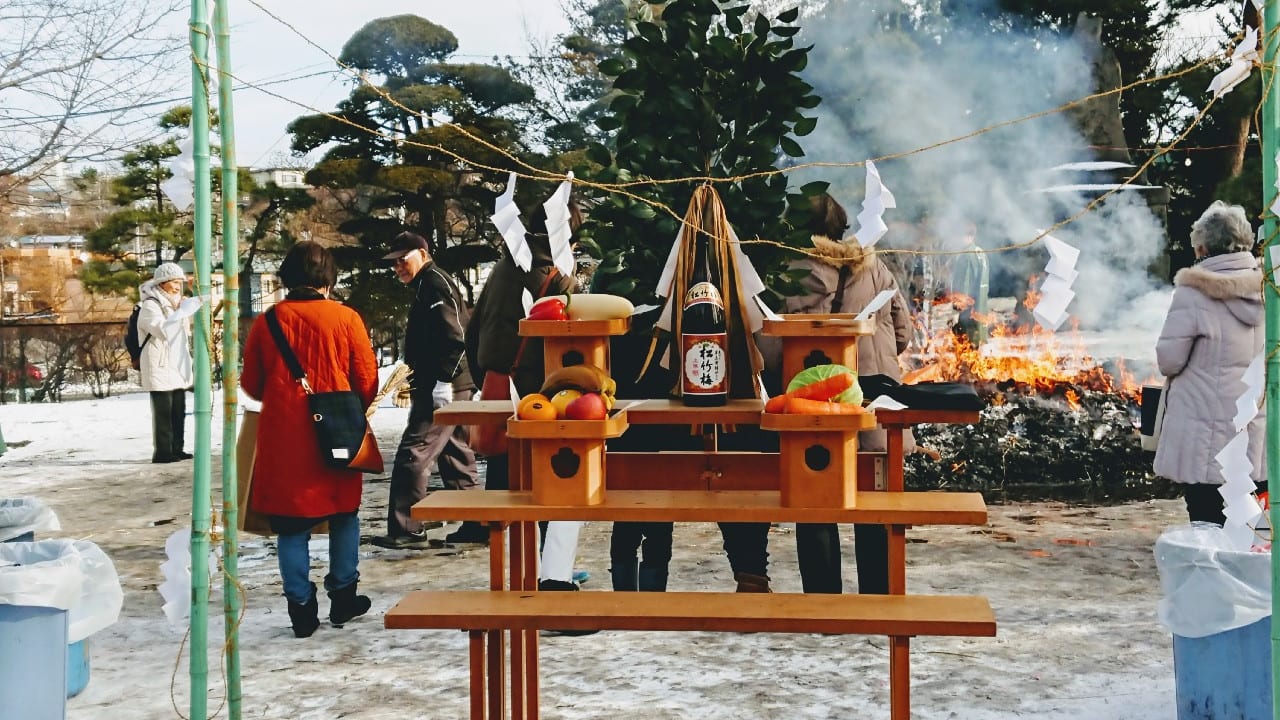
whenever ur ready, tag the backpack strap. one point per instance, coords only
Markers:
(147, 339)
(286, 351)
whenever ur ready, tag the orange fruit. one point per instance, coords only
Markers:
(562, 399)
(535, 407)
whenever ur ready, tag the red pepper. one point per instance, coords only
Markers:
(549, 309)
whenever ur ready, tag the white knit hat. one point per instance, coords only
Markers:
(168, 271)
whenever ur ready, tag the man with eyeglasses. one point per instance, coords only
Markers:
(433, 349)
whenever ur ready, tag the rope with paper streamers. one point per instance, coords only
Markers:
(537, 174)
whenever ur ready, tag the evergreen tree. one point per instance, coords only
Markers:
(412, 170)
(710, 88)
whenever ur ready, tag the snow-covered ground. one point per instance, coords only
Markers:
(1074, 590)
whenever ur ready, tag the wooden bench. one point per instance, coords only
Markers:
(898, 615)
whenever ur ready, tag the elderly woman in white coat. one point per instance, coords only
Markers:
(166, 358)
(1214, 330)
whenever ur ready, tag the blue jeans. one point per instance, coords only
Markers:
(344, 558)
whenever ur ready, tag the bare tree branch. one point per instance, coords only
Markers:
(74, 75)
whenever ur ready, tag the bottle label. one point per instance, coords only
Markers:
(703, 292)
(705, 363)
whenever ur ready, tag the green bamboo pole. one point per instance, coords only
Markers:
(199, 29)
(1271, 303)
(230, 359)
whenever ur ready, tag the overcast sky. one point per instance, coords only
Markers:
(263, 50)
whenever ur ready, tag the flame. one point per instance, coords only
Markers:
(1030, 359)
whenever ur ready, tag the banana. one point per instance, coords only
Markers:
(583, 378)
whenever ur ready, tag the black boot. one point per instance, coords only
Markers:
(748, 583)
(653, 580)
(624, 575)
(305, 617)
(345, 604)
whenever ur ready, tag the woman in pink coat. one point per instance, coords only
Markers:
(291, 483)
(1211, 335)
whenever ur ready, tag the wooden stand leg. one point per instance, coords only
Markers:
(497, 656)
(518, 707)
(531, 666)
(900, 678)
(477, 675)
(897, 559)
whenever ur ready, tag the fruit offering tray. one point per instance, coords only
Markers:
(612, 426)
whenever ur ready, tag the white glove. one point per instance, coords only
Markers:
(403, 397)
(442, 394)
(188, 306)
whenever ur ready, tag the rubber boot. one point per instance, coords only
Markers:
(748, 583)
(305, 617)
(625, 576)
(653, 580)
(345, 604)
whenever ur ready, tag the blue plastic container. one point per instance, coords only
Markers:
(77, 652)
(33, 663)
(1226, 675)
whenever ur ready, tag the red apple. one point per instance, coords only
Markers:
(589, 406)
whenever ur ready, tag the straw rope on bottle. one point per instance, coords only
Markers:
(706, 216)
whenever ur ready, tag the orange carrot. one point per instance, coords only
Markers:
(776, 404)
(824, 389)
(804, 406)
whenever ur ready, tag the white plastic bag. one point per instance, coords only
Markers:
(1209, 587)
(19, 516)
(73, 575)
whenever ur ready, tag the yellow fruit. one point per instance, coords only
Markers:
(562, 399)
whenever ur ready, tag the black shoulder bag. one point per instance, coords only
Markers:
(339, 417)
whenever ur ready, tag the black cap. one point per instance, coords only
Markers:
(405, 243)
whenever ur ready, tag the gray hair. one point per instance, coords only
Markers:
(1222, 229)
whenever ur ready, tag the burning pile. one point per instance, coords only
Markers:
(1058, 424)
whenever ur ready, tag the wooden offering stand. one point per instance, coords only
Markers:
(825, 339)
(812, 480)
(819, 457)
(575, 342)
(567, 457)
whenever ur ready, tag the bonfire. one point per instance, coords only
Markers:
(1059, 423)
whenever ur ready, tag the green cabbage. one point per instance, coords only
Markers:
(821, 372)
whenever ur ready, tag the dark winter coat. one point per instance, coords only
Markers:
(434, 335)
(289, 476)
(1213, 332)
(493, 335)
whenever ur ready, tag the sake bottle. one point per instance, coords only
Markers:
(704, 340)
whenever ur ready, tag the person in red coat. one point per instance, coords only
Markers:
(292, 484)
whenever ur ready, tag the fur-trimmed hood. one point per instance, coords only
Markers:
(1233, 279)
(838, 254)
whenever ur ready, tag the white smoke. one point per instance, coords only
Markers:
(885, 94)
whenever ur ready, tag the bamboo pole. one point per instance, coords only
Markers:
(200, 500)
(230, 359)
(1271, 303)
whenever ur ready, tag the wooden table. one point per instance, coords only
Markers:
(708, 486)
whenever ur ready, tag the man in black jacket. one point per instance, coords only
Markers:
(433, 349)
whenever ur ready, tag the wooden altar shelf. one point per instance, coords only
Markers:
(879, 508)
(819, 339)
(900, 615)
(567, 457)
(574, 342)
(639, 412)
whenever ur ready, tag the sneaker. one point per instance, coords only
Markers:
(581, 577)
(468, 533)
(412, 541)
